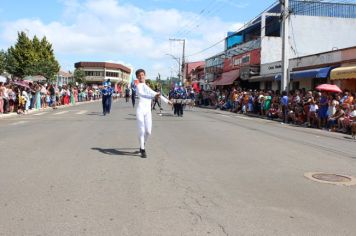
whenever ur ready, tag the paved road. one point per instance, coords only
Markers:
(75, 172)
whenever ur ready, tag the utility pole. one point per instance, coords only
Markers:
(285, 45)
(183, 57)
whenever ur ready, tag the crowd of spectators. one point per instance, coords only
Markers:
(322, 110)
(21, 98)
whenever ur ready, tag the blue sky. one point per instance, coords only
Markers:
(132, 32)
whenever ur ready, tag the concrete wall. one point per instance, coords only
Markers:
(271, 49)
(311, 35)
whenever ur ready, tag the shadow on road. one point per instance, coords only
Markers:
(95, 114)
(118, 152)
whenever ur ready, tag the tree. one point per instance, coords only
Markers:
(31, 57)
(79, 76)
(2, 61)
(20, 57)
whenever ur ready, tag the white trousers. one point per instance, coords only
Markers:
(144, 123)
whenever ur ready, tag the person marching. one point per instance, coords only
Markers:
(127, 94)
(143, 111)
(133, 94)
(180, 96)
(109, 97)
(156, 101)
(104, 93)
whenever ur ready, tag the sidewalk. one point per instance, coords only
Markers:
(278, 122)
(13, 114)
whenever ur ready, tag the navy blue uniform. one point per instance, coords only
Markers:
(110, 92)
(104, 94)
(133, 94)
(179, 94)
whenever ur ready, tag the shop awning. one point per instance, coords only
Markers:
(348, 72)
(311, 74)
(228, 78)
(263, 78)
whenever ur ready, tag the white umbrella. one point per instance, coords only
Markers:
(3, 79)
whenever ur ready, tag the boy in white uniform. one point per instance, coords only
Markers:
(143, 111)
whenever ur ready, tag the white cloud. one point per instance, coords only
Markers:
(122, 32)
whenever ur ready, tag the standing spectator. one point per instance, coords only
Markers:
(72, 96)
(76, 94)
(1, 97)
(267, 103)
(25, 94)
(52, 94)
(323, 109)
(12, 99)
(6, 99)
(284, 104)
(38, 97)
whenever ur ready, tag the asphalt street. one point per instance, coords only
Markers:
(73, 171)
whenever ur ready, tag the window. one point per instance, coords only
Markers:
(93, 73)
(112, 74)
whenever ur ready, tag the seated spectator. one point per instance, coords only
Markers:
(333, 120)
(313, 120)
(344, 123)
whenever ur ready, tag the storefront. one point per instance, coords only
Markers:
(227, 78)
(309, 79)
(344, 77)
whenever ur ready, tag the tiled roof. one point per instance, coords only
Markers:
(106, 65)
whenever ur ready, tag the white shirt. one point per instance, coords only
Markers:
(313, 107)
(146, 94)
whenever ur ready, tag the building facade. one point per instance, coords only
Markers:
(64, 78)
(314, 28)
(98, 72)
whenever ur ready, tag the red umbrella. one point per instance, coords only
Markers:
(22, 83)
(329, 88)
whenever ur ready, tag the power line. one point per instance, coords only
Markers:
(196, 17)
(241, 28)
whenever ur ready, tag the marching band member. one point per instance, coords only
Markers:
(143, 111)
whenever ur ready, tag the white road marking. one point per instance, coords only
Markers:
(224, 115)
(61, 113)
(82, 112)
(40, 114)
(243, 118)
(20, 122)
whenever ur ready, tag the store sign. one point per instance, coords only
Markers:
(271, 68)
(250, 58)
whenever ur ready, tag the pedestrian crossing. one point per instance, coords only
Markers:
(81, 112)
(60, 113)
(66, 112)
(40, 114)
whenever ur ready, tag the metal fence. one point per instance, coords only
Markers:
(326, 9)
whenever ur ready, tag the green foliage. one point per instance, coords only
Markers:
(2, 61)
(31, 57)
(79, 76)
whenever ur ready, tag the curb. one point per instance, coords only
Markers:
(30, 112)
(317, 132)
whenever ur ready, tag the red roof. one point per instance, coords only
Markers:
(228, 78)
(194, 65)
(106, 65)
